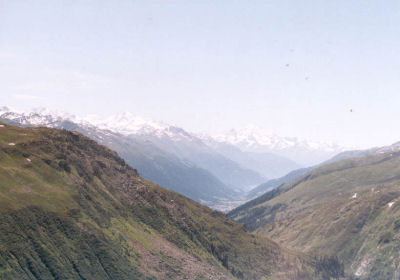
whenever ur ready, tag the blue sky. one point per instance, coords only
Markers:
(294, 67)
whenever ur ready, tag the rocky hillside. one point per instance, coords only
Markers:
(350, 209)
(73, 209)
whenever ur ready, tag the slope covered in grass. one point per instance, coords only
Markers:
(350, 209)
(72, 209)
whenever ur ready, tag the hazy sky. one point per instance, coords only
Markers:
(294, 67)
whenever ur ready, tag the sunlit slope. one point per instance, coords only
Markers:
(72, 209)
(350, 209)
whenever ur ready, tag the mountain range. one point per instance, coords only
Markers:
(202, 167)
(73, 209)
(259, 140)
(153, 163)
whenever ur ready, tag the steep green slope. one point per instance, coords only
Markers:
(72, 209)
(350, 209)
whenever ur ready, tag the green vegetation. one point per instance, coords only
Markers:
(72, 209)
(349, 209)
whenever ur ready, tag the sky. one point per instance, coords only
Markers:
(297, 68)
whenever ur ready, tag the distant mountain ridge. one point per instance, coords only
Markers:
(248, 139)
(200, 148)
(269, 164)
(213, 172)
(256, 139)
(129, 124)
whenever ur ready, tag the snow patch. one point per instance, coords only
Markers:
(354, 195)
(390, 204)
(1, 125)
(11, 144)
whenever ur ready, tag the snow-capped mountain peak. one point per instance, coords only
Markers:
(126, 123)
(255, 138)
(123, 123)
(129, 124)
(36, 116)
(250, 138)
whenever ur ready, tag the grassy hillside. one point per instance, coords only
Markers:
(350, 209)
(72, 209)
